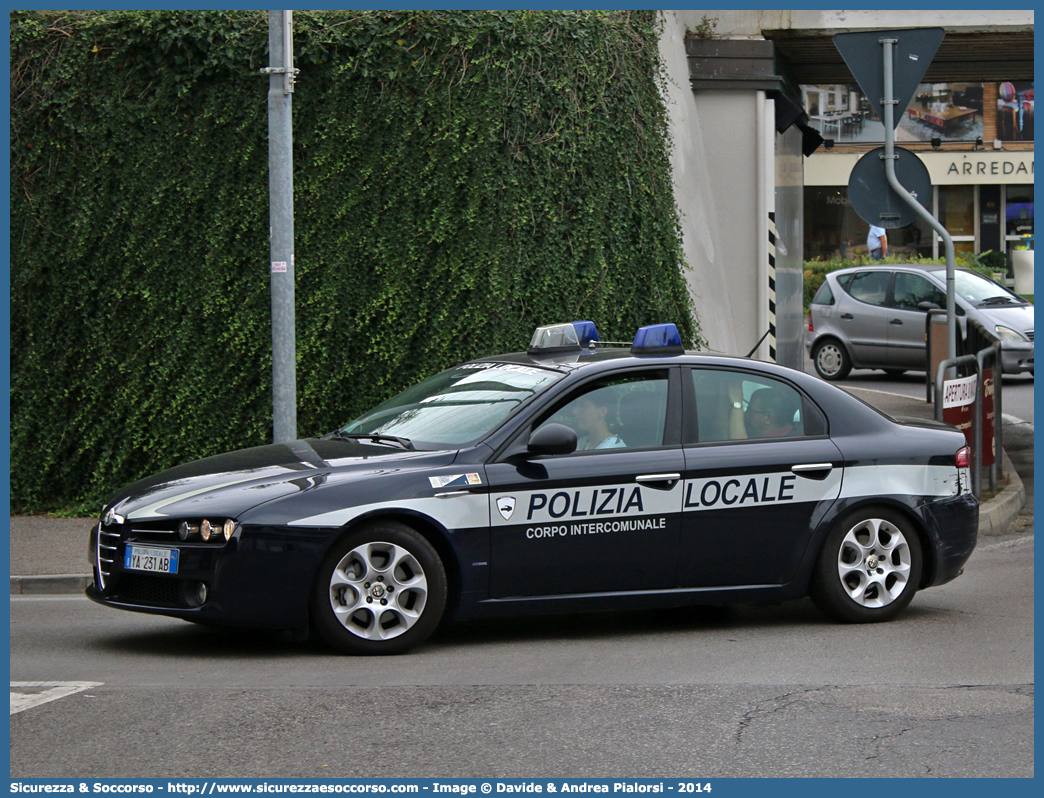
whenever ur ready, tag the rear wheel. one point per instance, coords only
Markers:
(380, 590)
(831, 360)
(869, 567)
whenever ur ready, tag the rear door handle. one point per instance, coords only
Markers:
(658, 481)
(896, 321)
(847, 316)
(813, 470)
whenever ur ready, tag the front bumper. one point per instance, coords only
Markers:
(1016, 356)
(262, 577)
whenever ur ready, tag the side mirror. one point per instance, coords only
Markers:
(553, 439)
(926, 306)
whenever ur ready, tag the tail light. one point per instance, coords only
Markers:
(810, 320)
(963, 458)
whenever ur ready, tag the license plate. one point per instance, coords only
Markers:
(139, 558)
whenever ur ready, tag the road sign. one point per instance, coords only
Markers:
(875, 201)
(912, 53)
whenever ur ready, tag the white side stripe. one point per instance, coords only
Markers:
(462, 511)
(904, 480)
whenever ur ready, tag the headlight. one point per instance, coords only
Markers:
(206, 530)
(230, 527)
(1008, 334)
(186, 530)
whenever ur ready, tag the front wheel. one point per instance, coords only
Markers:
(869, 567)
(380, 590)
(831, 360)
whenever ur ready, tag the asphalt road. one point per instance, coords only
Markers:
(1017, 388)
(946, 690)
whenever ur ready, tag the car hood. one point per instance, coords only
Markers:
(230, 484)
(1017, 317)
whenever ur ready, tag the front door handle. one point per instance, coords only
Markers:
(813, 470)
(896, 321)
(847, 316)
(666, 480)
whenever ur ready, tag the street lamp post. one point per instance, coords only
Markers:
(281, 74)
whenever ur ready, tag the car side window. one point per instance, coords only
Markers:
(767, 408)
(623, 413)
(913, 289)
(824, 296)
(868, 287)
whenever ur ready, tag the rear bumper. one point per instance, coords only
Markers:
(953, 526)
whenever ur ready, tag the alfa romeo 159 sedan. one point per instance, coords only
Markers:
(571, 477)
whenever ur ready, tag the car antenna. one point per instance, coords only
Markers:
(755, 349)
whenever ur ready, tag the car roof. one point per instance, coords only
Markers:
(882, 267)
(606, 358)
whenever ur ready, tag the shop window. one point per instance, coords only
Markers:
(957, 209)
(1018, 213)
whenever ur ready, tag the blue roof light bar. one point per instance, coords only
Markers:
(657, 339)
(560, 338)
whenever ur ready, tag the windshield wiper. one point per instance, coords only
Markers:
(1000, 300)
(375, 437)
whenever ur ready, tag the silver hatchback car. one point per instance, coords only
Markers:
(873, 317)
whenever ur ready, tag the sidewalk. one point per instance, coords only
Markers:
(49, 555)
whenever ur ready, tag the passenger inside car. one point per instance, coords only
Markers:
(592, 412)
(770, 414)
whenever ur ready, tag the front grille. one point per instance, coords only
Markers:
(154, 591)
(1029, 334)
(162, 533)
(108, 545)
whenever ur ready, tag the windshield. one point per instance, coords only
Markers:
(455, 408)
(978, 290)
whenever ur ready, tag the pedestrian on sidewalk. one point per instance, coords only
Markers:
(877, 243)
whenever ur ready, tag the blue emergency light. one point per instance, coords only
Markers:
(657, 339)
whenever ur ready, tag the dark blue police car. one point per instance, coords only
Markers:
(575, 476)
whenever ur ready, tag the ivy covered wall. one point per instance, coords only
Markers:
(460, 178)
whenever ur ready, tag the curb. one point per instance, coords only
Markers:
(996, 514)
(50, 584)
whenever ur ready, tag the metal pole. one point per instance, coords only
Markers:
(996, 470)
(888, 103)
(281, 217)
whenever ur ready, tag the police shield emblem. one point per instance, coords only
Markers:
(506, 505)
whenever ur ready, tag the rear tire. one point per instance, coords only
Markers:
(380, 590)
(869, 567)
(831, 360)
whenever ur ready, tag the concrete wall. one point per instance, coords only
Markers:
(736, 23)
(715, 180)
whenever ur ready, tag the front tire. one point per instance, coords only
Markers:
(869, 567)
(380, 590)
(831, 360)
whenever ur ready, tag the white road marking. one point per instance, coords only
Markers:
(33, 694)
